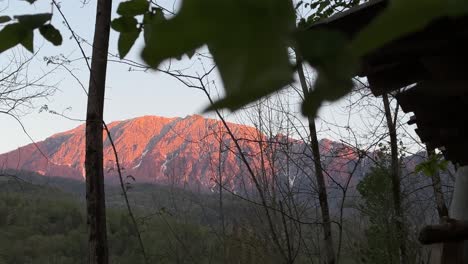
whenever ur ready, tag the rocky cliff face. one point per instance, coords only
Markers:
(191, 151)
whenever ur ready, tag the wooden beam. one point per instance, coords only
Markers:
(452, 231)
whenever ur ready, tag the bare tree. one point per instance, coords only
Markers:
(18, 88)
(322, 190)
(396, 175)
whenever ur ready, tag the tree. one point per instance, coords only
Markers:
(377, 204)
(18, 90)
(432, 168)
(322, 190)
(95, 198)
(395, 176)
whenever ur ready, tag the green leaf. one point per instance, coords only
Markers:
(248, 41)
(50, 33)
(426, 168)
(22, 32)
(129, 32)
(4, 19)
(133, 8)
(314, 5)
(402, 17)
(28, 41)
(126, 41)
(329, 54)
(12, 35)
(457, 7)
(33, 21)
(190, 53)
(432, 165)
(125, 24)
(322, 6)
(150, 21)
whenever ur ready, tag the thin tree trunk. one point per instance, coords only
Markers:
(438, 194)
(449, 250)
(221, 205)
(399, 219)
(322, 189)
(95, 200)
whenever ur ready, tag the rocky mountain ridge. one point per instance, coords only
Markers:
(192, 151)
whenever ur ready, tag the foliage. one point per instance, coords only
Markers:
(249, 40)
(435, 163)
(127, 25)
(325, 8)
(381, 243)
(386, 28)
(45, 225)
(328, 53)
(377, 204)
(20, 30)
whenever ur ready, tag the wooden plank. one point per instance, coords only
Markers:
(453, 230)
(396, 76)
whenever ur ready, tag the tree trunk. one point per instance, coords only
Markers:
(95, 200)
(399, 218)
(322, 189)
(438, 194)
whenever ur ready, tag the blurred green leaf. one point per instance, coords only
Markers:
(33, 21)
(28, 41)
(12, 35)
(402, 17)
(322, 6)
(248, 41)
(125, 24)
(150, 21)
(22, 31)
(191, 53)
(4, 19)
(50, 33)
(457, 7)
(328, 53)
(126, 41)
(133, 8)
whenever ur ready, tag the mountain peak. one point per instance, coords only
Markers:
(170, 150)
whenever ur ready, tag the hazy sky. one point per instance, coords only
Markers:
(128, 94)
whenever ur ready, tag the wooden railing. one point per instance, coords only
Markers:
(452, 234)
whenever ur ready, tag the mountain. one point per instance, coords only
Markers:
(190, 151)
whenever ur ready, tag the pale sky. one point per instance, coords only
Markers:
(128, 94)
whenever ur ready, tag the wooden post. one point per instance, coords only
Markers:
(459, 211)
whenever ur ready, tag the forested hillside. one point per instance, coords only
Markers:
(42, 220)
(41, 223)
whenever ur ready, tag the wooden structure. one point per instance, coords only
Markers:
(434, 61)
(427, 72)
